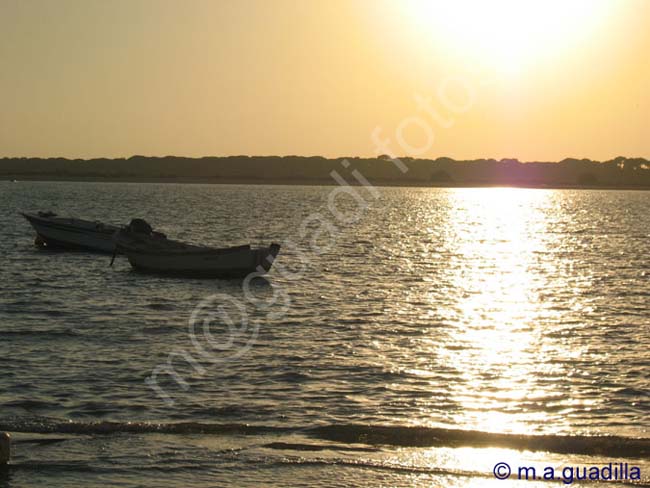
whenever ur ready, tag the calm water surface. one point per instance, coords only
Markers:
(364, 357)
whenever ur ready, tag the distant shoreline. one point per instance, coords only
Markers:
(308, 182)
(619, 173)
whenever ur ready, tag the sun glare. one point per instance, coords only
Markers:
(506, 35)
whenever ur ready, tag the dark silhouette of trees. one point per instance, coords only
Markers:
(618, 172)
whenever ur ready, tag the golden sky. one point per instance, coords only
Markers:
(460, 78)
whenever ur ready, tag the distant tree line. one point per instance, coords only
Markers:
(618, 172)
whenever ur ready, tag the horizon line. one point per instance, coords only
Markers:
(378, 157)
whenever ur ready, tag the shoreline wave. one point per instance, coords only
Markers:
(373, 435)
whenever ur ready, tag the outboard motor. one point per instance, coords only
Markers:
(140, 226)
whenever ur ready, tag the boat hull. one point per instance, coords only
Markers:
(72, 234)
(237, 262)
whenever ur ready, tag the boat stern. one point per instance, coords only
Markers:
(267, 257)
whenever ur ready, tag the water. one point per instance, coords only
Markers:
(436, 333)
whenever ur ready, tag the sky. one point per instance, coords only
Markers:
(526, 79)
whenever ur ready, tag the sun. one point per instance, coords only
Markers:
(507, 35)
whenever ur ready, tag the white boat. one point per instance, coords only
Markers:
(152, 252)
(70, 233)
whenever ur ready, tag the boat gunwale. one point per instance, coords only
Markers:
(106, 229)
(198, 251)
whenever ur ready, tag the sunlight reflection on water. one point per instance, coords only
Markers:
(496, 309)
(505, 256)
